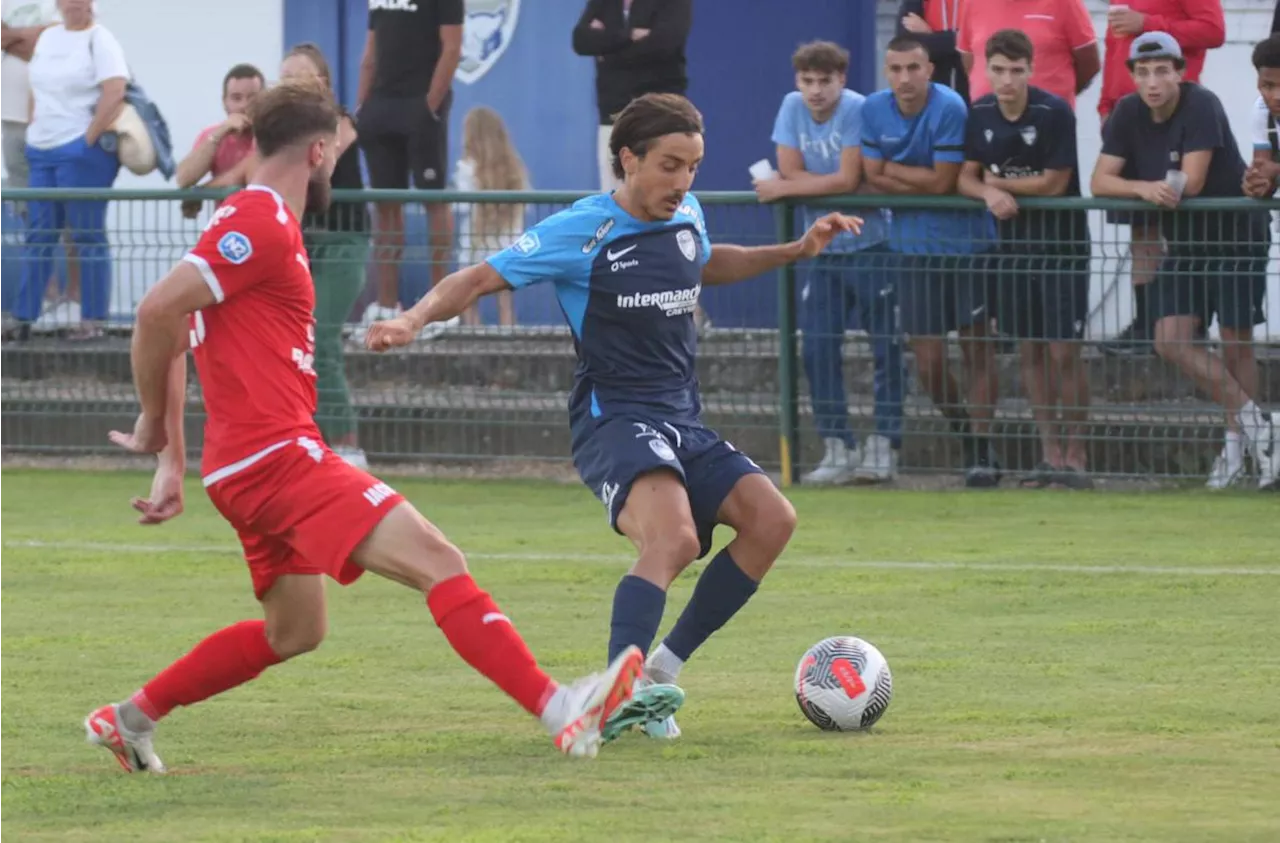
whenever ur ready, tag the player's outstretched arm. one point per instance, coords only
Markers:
(729, 263)
(448, 299)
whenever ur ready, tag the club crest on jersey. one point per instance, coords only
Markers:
(688, 246)
(1028, 135)
(235, 247)
(487, 30)
(528, 244)
(988, 134)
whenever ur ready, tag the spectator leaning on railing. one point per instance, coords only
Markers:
(1021, 141)
(1197, 26)
(78, 76)
(337, 243)
(221, 150)
(818, 133)
(913, 144)
(1264, 171)
(1175, 138)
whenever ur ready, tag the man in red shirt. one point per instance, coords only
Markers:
(1197, 26)
(1061, 32)
(243, 301)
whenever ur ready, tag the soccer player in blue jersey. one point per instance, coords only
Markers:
(913, 144)
(627, 269)
(818, 132)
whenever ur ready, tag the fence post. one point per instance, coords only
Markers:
(788, 380)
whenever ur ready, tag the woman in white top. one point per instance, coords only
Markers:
(78, 76)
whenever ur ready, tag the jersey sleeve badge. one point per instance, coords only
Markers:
(235, 248)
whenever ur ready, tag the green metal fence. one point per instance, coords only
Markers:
(487, 392)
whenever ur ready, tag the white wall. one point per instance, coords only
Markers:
(178, 51)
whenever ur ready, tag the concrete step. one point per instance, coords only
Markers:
(412, 423)
(729, 363)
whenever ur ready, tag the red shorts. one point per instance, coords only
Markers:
(301, 509)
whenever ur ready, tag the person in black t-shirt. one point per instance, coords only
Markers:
(337, 243)
(1021, 141)
(406, 78)
(1175, 137)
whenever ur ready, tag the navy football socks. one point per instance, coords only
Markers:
(637, 612)
(722, 590)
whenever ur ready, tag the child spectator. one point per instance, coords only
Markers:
(489, 162)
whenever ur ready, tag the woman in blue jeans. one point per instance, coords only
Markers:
(78, 75)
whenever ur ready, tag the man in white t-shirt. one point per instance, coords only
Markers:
(22, 23)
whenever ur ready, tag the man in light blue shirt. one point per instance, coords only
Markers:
(913, 137)
(818, 132)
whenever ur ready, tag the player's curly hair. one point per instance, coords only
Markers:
(647, 118)
(820, 57)
(292, 112)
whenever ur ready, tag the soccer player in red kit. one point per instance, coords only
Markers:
(242, 300)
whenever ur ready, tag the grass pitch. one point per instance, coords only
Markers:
(1086, 667)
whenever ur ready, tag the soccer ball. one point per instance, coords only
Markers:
(843, 684)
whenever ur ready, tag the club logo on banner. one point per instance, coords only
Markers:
(486, 33)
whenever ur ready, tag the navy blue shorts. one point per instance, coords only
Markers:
(940, 293)
(611, 453)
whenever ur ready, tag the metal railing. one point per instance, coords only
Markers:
(488, 392)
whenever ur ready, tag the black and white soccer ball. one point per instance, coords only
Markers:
(843, 684)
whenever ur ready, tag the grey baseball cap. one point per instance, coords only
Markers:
(1155, 45)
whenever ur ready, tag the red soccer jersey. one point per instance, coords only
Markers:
(255, 348)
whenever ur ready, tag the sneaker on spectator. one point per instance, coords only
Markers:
(62, 316)
(837, 466)
(1262, 437)
(1229, 468)
(879, 461)
(983, 474)
(373, 313)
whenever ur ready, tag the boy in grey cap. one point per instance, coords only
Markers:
(1175, 138)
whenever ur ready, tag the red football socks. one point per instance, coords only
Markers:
(487, 640)
(229, 657)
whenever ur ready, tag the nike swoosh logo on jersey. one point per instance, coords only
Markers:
(613, 256)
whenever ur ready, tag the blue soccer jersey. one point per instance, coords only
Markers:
(935, 135)
(628, 290)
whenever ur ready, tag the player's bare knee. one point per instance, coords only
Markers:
(678, 547)
(772, 527)
(291, 640)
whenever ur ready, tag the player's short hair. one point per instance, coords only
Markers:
(243, 71)
(905, 44)
(1267, 53)
(290, 113)
(1013, 44)
(647, 118)
(820, 57)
